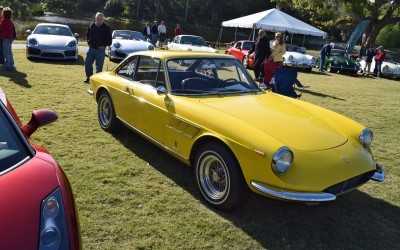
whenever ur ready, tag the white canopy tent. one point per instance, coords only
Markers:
(272, 20)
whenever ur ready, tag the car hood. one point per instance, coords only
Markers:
(132, 44)
(196, 48)
(343, 60)
(52, 40)
(298, 56)
(22, 192)
(286, 120)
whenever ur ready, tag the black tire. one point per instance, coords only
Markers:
(106, 113)
(219, 177)
(330, 69)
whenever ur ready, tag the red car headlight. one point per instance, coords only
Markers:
(53, 224)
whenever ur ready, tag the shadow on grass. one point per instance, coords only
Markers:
(16, 77)
(354, 221)
(321, 95)
(79, 61)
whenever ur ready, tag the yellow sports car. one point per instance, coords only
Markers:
(209, 113)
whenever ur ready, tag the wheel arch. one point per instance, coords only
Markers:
(100, 91)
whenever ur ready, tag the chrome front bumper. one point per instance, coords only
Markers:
(379, 175)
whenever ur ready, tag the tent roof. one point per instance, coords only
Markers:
(274, 20)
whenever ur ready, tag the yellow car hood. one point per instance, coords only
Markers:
(285, 119)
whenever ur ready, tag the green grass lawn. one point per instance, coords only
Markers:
(131, 195)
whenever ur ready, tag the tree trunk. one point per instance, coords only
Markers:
(186, 10)
(157, 4)
(139, 2)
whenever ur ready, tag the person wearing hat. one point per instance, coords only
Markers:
(325, 52)
(154, 33)
(379, 58)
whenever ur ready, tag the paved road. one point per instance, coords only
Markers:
(23, 46)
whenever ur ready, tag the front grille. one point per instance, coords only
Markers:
(34, 51)
(349, 184)
(53, 55)
(69, 52)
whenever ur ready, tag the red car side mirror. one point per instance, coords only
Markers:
(39, 119)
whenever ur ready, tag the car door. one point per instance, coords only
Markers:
(150, 104)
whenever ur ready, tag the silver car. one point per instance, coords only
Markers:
(125, 42)
(52, 41)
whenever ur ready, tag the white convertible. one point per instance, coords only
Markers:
(189, 43)
(125, 42)
(296, 56)
(389, 68)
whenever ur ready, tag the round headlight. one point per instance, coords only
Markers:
(313, 60)
(117, 45)
(150, 47)
(189, 49)
(282, 160)
(72, 43)
(290, 58)
(386, 67)
(366, 137)
(32, 41)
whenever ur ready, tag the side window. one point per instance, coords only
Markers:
(128, 69)
(150, 71)
(238, 45)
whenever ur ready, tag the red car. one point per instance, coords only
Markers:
(37, 207)
(248, 61)
(240, 49)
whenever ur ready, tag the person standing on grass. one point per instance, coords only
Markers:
(98, 38)
(262, 52)
(162, 32)
(325, 52)
(1, 40)
(7, 35)
(178, 30)
(154, 33)
(368, 60)
(379, 59)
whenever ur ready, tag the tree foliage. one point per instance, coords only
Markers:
(339, 17)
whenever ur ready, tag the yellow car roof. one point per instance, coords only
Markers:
(169, 54)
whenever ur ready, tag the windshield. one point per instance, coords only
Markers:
(193, 40)
(337, 53)
(128, 35)
(12, 150)
(52, 30)
(208, 76)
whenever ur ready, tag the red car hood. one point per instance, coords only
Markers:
(21, 193)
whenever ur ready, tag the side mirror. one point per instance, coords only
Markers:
(39, 119)
(161, 90)
(28, 32)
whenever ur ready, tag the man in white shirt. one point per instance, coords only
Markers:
(162, 31)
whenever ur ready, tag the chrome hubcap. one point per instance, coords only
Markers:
(214, 177)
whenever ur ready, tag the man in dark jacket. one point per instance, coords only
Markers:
(325, 52)
(98, 38)
(262, 52)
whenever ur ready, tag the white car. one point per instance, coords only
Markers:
(52, 41)
(189, 43)
(125, 42)
(296, 56)
(389, 67)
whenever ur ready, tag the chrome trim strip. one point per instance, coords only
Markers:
(293, 196)
(379, 174)
(154, 141)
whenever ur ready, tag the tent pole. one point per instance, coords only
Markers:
(304, 39)
(235, 33)
(219, 38)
